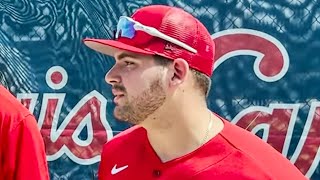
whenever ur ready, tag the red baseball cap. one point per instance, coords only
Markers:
(173, 22)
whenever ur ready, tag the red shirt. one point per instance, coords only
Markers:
(233, 154)
(22, 153)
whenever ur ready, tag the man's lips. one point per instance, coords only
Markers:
(117, 98)
(116, 92)
(117, 95)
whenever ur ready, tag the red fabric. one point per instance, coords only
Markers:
(173, 22)
(233, 154)
(22, 153)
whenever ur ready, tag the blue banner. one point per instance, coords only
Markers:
(265, 78)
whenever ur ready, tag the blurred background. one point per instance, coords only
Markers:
(266, 77)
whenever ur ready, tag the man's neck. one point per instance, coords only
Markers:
(181, 131)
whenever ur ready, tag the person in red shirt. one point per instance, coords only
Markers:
(163, 63)
(22, 152)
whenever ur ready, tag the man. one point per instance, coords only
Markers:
(163, 61)
(22, 153)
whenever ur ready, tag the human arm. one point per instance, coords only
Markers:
(26, 152)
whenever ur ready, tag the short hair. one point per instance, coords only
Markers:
(203, 82)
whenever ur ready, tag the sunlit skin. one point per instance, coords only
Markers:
(163, 100)
(137, 84)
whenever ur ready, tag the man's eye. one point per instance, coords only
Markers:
(128, 63)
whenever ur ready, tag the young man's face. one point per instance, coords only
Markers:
(138, 86)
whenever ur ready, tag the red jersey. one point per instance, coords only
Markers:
(232, 154)
(22, 153)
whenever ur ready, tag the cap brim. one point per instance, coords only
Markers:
(109, 47)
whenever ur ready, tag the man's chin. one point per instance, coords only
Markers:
(120, 114)
(125, 118)
(118, 118)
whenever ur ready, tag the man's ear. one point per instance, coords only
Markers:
(180, 71)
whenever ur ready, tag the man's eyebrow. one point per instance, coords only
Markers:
(124, 55)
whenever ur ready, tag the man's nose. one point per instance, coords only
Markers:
(112, 77)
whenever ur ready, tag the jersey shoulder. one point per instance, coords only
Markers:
(11, 110)
(259, 153)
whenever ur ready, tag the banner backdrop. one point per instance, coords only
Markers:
(266, 77)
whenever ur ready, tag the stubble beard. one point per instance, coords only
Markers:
(140, 107)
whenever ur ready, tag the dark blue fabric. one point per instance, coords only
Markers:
(36, 35)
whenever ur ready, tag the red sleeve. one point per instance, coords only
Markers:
(26, 152)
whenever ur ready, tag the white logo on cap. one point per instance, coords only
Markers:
(168, 46)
